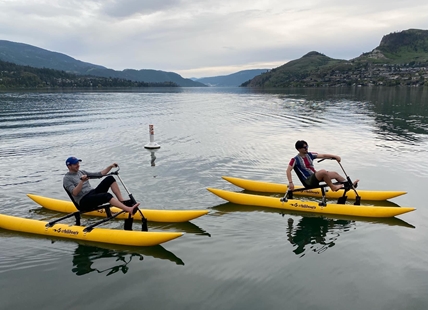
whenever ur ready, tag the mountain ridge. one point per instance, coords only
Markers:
(29, 55)
(292, 70)
(13, 76)
(400, 59)
(234, 79)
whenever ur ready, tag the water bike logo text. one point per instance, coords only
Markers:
(304, 206)
(311, 192)
(66, 231)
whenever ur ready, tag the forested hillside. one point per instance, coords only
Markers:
(401, 59)
(14, 76)
(28, 55)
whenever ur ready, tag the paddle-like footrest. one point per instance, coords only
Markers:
(91, 227)
(75, 214)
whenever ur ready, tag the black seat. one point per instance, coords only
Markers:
(77, 214)
(109, 216)
(128, 222)
(303, 179)
(93, 208)
(322, 186)
(347, 184)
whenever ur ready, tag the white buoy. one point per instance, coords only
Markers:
(152, 145)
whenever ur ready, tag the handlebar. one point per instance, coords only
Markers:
(325, 159)
(110, 173)
(114, 172)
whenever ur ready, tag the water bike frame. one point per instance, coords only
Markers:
(77, 214)
(348, 185)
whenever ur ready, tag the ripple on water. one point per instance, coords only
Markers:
(17, 257)
(233, 251)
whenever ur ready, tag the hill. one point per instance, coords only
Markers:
(295, 71)
(28, 55)
(146, 75)
(399, 47)
(400, 59)
(15, 76)
(231, 80)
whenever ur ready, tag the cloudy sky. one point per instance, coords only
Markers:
(197, 38)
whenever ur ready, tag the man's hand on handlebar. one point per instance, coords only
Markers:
(84, 178)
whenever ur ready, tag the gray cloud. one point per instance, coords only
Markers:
(203, 38)
(129, 8)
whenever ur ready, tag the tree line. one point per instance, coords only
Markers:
(16, 76)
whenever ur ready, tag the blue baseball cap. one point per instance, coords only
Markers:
(72, 161)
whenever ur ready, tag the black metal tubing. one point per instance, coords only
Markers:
(323, 203)
(129, 221)
(91, 227)
(76, 214)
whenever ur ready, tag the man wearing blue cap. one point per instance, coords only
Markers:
(76, 182)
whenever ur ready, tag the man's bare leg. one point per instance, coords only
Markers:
(131, 210)
(326, 177)
(116, 191)
(339, 178)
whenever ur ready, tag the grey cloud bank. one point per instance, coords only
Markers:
(205, 38)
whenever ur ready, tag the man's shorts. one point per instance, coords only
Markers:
(97, 196)
(312, 181)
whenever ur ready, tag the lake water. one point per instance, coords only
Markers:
(235, 257)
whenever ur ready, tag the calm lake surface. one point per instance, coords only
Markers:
(235, 257)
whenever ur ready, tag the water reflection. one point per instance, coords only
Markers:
(114, 259)
(88, 257)
(152, 157)
(85, 256)
(185, 227)
(315, 234)
(397, 114)
(312, 232)
(229, 207)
